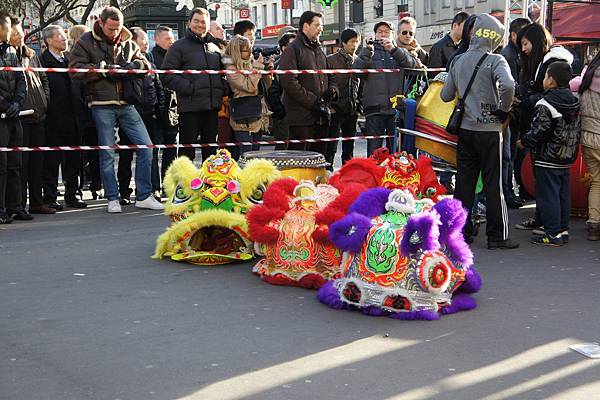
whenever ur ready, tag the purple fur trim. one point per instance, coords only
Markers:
(329, 296)
(426, 227)
(374, 311)
(472, 283)
(424, 315)
(371, 203)
(339, 232)
(453, 217)
(460, 302)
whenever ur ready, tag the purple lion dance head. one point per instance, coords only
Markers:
(405, 258)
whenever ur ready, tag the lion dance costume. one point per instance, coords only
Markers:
(403, 257)
(207, 208)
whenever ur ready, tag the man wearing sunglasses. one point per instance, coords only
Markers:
(406, 40)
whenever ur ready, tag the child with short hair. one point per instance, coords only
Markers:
(554, 139)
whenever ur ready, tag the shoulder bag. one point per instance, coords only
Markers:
(456, 117)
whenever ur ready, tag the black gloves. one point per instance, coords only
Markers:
(132, 65)
(502, 115)
(321, 110)
(12, 112)
(330, 95)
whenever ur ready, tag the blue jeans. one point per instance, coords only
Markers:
(130, 123)
(553, 199)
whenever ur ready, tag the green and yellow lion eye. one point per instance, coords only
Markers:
(180, 196)
(257, 196)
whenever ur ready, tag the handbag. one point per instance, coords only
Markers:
(245, 110)
(456, 117)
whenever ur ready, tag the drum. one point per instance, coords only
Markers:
(579, 184)
(432, 117)
(297, 164)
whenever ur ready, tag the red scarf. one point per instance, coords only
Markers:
(98, 31)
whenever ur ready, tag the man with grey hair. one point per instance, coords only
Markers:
(61, 124)
(112, 98)
(216, 30)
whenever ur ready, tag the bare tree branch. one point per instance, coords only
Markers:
(50, 11)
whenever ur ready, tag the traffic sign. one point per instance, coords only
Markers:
(244, 13)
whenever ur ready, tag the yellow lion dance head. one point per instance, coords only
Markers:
(207, 208)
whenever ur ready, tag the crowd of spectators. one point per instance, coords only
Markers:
(503, 118)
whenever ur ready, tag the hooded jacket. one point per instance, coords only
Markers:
(493, 87)
(195, 93)
(531, 91)
(93, 50)
(555, 130)
(378, 88)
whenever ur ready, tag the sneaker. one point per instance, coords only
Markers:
(150, 203)
(547, 240)
(528, 224)
(114, 206)
(564, 234)
(539, 231)
(502, 244)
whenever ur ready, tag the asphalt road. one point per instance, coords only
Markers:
(85, 313)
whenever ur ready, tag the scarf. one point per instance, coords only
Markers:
(98, 31)
(413, 48)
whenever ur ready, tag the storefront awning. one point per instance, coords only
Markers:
(576, 21)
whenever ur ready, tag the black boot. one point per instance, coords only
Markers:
(594, 231)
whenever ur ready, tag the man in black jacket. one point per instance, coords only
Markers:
(166, 121)
(38, 95)
(307, 96)
(346, 108)
(199, 97)
(61, 124)
(443, 49)
(12, 96)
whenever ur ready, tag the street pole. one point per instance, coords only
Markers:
(341, 17)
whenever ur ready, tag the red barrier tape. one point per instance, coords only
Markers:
(194, 145)
(220, 72)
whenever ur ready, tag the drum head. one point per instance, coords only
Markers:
(284, 159)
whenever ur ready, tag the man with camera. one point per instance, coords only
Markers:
(381, 52)
(306, 97)
(112, 97)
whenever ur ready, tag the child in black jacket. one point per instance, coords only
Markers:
(554, 140)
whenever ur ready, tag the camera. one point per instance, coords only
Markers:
(265, 51)
(372, 42)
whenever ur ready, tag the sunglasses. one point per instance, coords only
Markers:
(410, 33)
